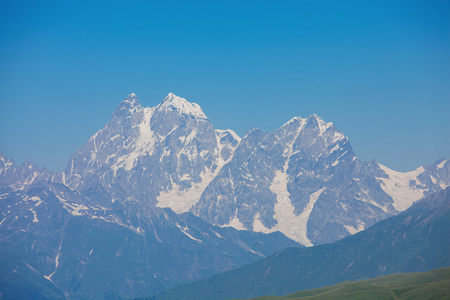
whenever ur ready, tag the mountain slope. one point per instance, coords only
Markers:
(415, 240)
(164, 155)
(303, 179)
(19, 177)
(87, 250)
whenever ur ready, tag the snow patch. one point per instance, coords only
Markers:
(235, 223)
(255, 252)
(181, 201)
(184, 230)
(36, 199)
(185, 177)
(143, 145)
(338, 136)
(441, 165)
(220, 133)
(258, 226)
(35, 219)
(353, 230)
(335, 148)
(49, 277)
(218, 235)
(398, 187)
(73, 208)
(293, 226)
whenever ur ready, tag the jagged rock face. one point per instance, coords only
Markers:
(302, 179)
(8, 170)
(408, 187)
(19, 177)
(156, 155)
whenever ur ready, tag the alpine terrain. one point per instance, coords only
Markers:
(413, 241)
(158, 197)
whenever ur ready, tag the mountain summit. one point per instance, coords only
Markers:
(164, 155)
(180, 105)
(128, 106)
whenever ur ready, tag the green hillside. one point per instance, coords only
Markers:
(430, 285)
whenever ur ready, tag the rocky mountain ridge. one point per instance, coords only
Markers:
(126, 202)
(302, 179)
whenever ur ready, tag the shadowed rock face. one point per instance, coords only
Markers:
(52, 234)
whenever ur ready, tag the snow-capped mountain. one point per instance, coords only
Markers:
(302, 179)
(408, 187)
(140, 180)
(109, 210)
(27, 174)
(165, 155)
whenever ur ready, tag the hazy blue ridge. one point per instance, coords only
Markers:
(86, 256)
(413, 241)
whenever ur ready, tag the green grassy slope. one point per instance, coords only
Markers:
(430, 285)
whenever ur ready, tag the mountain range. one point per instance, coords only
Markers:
(158, 197)
(416, 240)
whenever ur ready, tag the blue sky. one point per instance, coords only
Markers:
(379, 70)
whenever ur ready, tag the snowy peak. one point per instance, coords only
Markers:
(227, 134)
(131, 97)
(128, 106)
(311, 133)
(313, 121)
(28, 165)
(407, 187)
(316, 121)
(181, 106)
(294, 120)
(131, 100)
(401, 186)
(25, 175)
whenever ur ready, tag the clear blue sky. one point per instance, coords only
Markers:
(380, 70)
